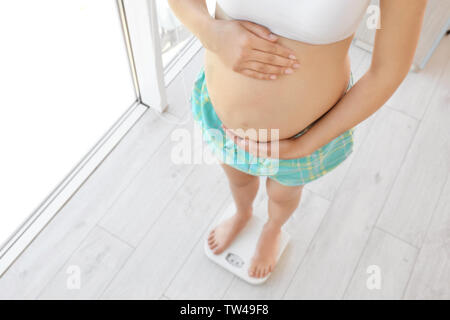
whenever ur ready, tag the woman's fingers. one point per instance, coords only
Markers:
(258, 55)
(258, 75)
(259, 149)
(274, 48)
(259, 30)
(272, 59)
(265, 68)
(243, 143)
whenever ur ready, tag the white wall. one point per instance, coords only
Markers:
(64, 80)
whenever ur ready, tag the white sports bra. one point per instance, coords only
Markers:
(310, 21)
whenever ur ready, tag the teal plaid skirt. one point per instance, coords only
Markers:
(292, 172)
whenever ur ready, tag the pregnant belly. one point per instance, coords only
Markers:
(257, 108)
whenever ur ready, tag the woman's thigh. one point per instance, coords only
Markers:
(281, 193)
(237, 177)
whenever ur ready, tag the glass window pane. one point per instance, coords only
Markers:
(64, 80)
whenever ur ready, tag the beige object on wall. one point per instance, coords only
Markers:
(436, 23)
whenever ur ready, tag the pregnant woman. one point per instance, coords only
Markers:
(274, 99)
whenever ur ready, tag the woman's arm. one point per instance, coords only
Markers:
(245, 47)
(395, 45)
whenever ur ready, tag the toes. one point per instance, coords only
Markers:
(212, 242)
(219, 250)
(252, 271)
(262, 272)
(258, 272)
(211, 238)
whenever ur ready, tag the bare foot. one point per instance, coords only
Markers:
(265, 258)
(223, 235)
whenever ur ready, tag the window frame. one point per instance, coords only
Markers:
(140, 29)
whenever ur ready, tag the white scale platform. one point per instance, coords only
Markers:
(237, 257)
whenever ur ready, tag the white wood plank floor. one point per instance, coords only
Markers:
(135, 228)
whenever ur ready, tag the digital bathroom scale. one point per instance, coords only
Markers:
(237, 257)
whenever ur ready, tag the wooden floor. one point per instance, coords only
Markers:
(136, 227)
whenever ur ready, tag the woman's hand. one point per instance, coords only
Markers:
(250, 49)
(284, 149)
